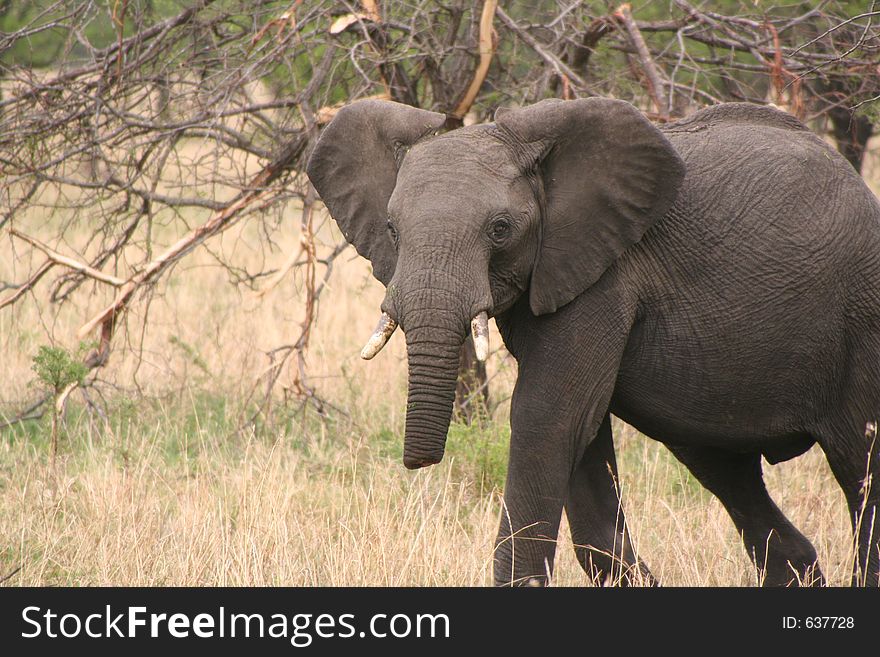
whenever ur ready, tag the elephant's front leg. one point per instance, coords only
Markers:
(547, 442)
(568, 365)
(555, 414)
(537, 478)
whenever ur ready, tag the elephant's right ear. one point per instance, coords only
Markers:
(354, 168)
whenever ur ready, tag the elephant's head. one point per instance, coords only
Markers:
(456, 225)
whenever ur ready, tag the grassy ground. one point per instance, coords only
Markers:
(169, 484)
(169, 493)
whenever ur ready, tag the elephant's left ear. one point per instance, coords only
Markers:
(608, 175)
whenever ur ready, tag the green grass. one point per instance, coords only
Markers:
(174, 490)
(182, 430)
(479, 453)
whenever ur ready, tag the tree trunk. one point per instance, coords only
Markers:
(851, 132)
(472, 391)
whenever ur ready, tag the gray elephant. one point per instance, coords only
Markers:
(714, 282)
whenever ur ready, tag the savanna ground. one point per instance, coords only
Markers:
(171, 483)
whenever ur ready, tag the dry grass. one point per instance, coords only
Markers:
(328, 508)
(165, 491)
(264, 516)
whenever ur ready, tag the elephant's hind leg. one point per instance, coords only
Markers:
(781, 554)
(853, 452)
(598, 527)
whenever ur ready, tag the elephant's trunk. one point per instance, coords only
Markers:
(433, 354)
(434, 297)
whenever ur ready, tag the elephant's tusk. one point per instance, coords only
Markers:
(380, 336)
(480, 331)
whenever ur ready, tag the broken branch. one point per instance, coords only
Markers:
(28, 284)
(487, 50)
(60, 259)
(220, 221)
(656, 88)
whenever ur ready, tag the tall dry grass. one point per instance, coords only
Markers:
(329, 508)
(167, 488)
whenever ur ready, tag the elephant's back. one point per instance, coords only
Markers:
(726, 114)
(763, 195)
(748, 287)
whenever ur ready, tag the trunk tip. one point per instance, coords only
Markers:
(416, 462)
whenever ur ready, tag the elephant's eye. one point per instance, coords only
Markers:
(392, 232)
(499, 229)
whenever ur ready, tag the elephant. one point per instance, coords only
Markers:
(714, 282)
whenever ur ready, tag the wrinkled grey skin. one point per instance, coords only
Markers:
(714, 282)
